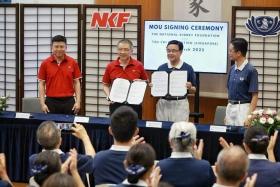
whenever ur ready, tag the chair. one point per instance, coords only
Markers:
(31, 104)
(220, 115)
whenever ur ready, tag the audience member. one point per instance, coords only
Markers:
(61, 180)
(64, 179)
(256, 141)
(231, 167)
(48, 162)
(4, 178)
(49, 137)
(182, 169)
(45, 164)
(270, 148)
(108, 164)
(139, 165)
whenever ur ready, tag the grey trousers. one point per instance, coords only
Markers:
(172, 110)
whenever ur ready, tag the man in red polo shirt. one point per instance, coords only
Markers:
(59, 78)
(123, 67)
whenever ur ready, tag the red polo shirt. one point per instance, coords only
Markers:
(133, 70)
(59, 77)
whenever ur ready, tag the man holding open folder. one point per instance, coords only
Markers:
(124, 67)
(170, 108)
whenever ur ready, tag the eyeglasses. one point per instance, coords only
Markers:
(172, 50)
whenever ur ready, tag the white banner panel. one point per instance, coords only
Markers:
(205, 44)
(198, 10)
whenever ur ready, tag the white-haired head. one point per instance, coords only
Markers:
(182, 136)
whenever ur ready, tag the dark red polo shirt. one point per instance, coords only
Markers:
(59, 77)
(134, 70)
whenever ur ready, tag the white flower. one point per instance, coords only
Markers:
(262, 120)
(269, 112)
(260, 112)
(249, 116)
(270, 120)
(255, 112)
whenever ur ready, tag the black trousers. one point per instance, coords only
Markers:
(136, 108)
(60, 105)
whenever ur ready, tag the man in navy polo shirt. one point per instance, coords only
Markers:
(108, 165)
(242, 84)
(175, 108)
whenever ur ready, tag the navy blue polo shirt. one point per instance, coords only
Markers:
(108, 167)
(4, 183)
(84, 162)
(184, 67)
(242, 83)
(186, 172)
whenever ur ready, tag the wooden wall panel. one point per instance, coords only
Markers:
(207, 106)
(261, 3)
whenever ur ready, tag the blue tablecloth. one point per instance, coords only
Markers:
(18, 139)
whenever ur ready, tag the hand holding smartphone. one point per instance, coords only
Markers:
(65, 127)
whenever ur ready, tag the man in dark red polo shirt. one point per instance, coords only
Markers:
(123, 67)
(59, 78)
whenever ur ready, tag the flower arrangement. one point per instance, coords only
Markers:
(268, 118)
(3, 103)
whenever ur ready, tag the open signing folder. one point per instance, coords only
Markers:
(125, 91)
(173, 83)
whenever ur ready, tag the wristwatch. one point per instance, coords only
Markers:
(107, 98)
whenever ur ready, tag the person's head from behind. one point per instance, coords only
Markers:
(45, 164)
(60, 179)
(123, 124)
(125, 49)
(238, 48)
(256, 140)
(139, 162)
(59, 46)
(231, 166)
(182, 136)
(48, 135)
(174, 51)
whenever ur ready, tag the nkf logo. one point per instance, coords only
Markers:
(109, 19)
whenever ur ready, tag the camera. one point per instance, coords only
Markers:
(65, 127)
